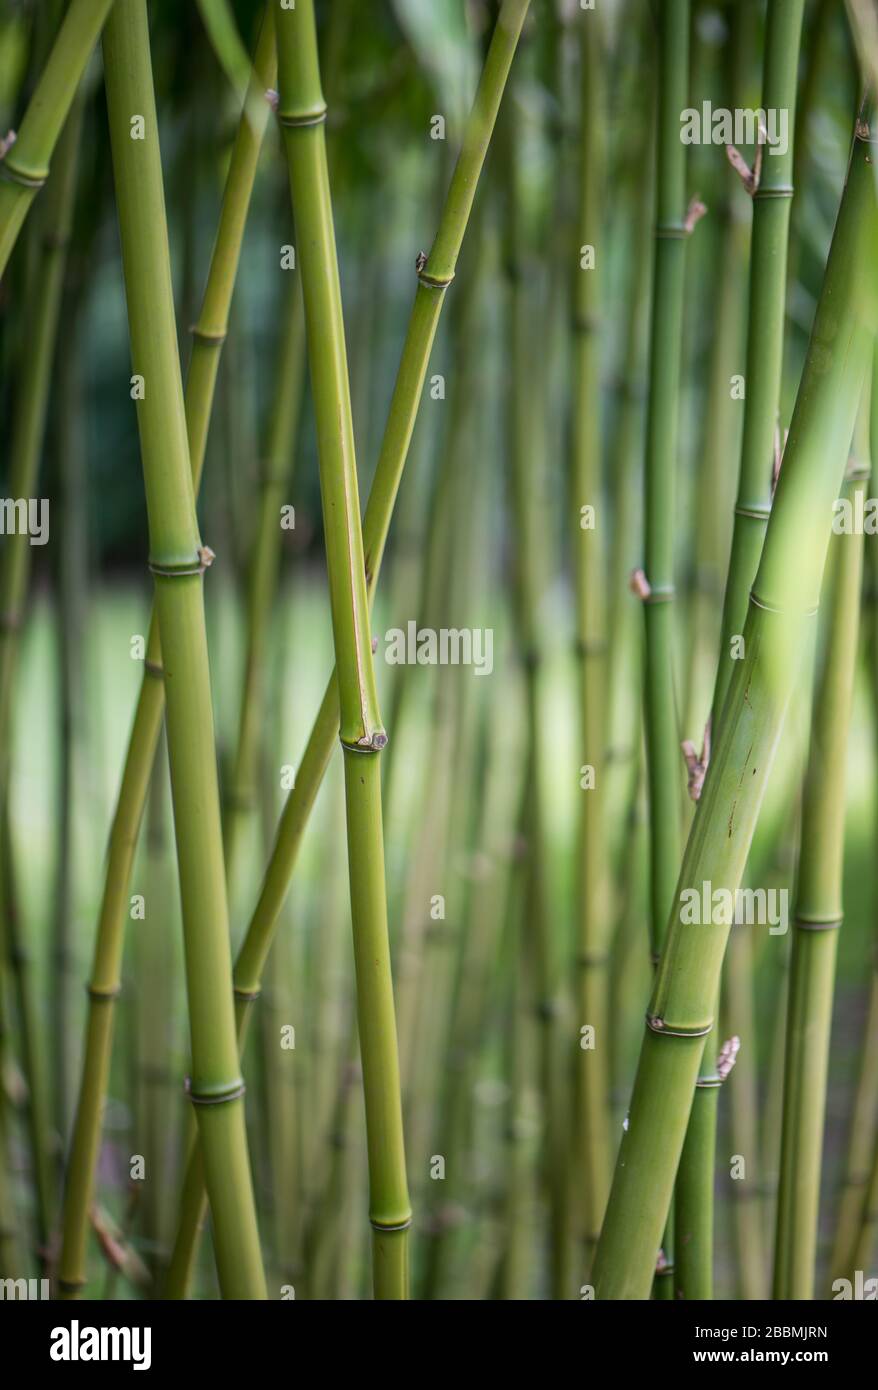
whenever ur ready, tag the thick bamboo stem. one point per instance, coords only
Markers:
(177, 560)
(785, 593)
(105, 980)
(764, 362)
(302, 114)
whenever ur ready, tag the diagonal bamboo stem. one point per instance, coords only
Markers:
(764, 361)
(434, 278)
(105, 979)
(785, 594)
(25, 167)
(302, 114)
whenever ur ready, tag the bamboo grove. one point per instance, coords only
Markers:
(558, 980)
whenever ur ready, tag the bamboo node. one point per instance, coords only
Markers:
(153, 668)
(390, 1226)
(772, 608)
(815, 924)
(369, 743)
(233, 1091)
(547, 1010)
(780, 190)
(103, 996)
(585, 647)
(432, 282)
(658, 1025)
(858, 470)
(20, 176)
(71, 1284)
(205, 557)
(586, 323)
(204, 335)
(296, 119)
(247, 995)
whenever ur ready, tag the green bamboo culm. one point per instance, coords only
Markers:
(24, 168)
(863, 1128)
(302, 115)
(782, 605)
(177, 560)
(592, 1152)
(818, 914)
(208, 336)
(663, 762)
(434, 278)
(664, 765)
(693, 1206)
(765, 333)
(52, 229)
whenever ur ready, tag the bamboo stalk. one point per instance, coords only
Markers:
(785, 592)
(662, 741)
(177, 560)
(663, 770)
(72, 593)
(818, 917)
(743, 1102)
(53, 231)
(24, 168)
(264, 565)
(105, 978)
(864, 1119)
(434, 278)
(764, 361)
(302, 113)
(592, 1129)
(765, 332)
